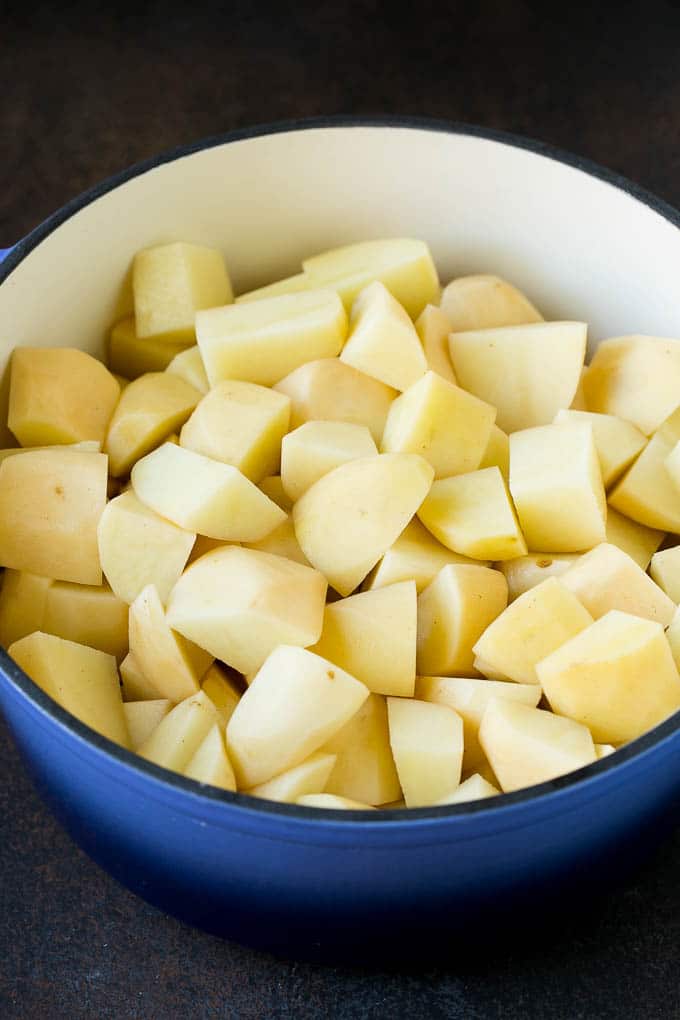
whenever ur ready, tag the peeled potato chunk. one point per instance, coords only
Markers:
(131, 357)
(364, 768)
(50, 503)
(241, 603)
(178, 736)
(23, 597)
(647, 493)
(222, 687)
(433, 328)
(403, 265)
(436, 419)
(617, 441)
(171, 282)
(330, 390)
(289, 285)
(673, 638)
(528, 372)
(350, 517)
(636, 378)
(372, 635)
(475, 787)
(416, 555)
(59, 395)
(665, 570)
(427, 744)
(635, 539)
(310, 776)
(142, 718)
(188, 365)
(133, 683)
(556, 485)
(607, 578)
(331, 802)
(312, 450)
(529, 745)
(617, 677)
(282, 541)
(87, 614)
(382, 340)
(526, 572)
(273, 487)
(210, 763)
(603, 750)
(262, 341)
(453, 611)
(82, 680)
(484, 301)
(294, 705)
(204, 495)
(497, 452)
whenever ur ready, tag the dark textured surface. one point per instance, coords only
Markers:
(84, 94)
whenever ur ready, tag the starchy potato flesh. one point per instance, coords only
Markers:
(330, 801)
(273, 487)
(665, 570)
(289, 285)
(142, 718)
(475, 787)
(210, 763)
(497, 452)
(310, 776)
(134, 685)
(526, 572)
(673, 638)
(617, 441)
(639, 541)
(484, 302)
(220, 684)
(188, 365)
(603, 750)
(131, 357)
(647, 493)
(579, 402)
(312, 450)
(87, 614)
(416, 555)
(364, 768)
(427, 744)
(22, 604)
(178, 736)
(607, 578)
(433, 328)
(86, 446)
(282, 541)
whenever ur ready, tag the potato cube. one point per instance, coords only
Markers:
(210, 763)
(22, 604)
(433, 328)
(188, 365)
(453, 611)
(294, 705)
(665, 570)
(617, 677)
(529, 745)
(273, 487)
(171, 282)
(673, 637)
(579, 402)
(607, 578)
(556, 485)
(203, 495)
(59, 395)
(617, 441)
(315, 448)
(475, 787)
(416, 555)
(484, 302)
(646, 493)
(382, 340)
(83, 680)
(178, 736)
(331, 802)
(224, 688)
(497, 452)
(526, 572)
(262, 341)
(87, 446)
(282, 541)
(635, 539)
(142, 718)
(50, 503)
(364, 768)
(372, 635)
(87, 614)
(604, 750)
(131, 357)
(473, 515)
(330, 390)
(241, 603)
(350, 517)
(427, 744)
(289, 285)
(134, 684)
(310, 776)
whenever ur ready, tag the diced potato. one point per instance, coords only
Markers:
(436, 419)
(427, 744)
(135, 685)
(635, 539)
(312, 450)
(171, 282)
(636, 378)
(350, 517)
(22, 604)
(607, 578)
(282, 541)
(89, 615)
(204, 545)
(556, 485)
(533, 626)
(294, 705)
(310, 776)
(403, 265)
(416, 555)
(475, 787)
(131, 357)
(222, 687)
(433, 328)
(617, 441)
(178, 736)
(59, 395)
(188, 365)
(142, 718)
(364, 769)
(50, 503)
(526, 572)
(87, 446)
(527, 372)
(484, 302)
(382, 340)
(330, 801)
(646, 493)
(273, 487)
(453, 611)
(210, 763)
(137, 547)
(330, 390)
(203, 495)
(529, 745)
(82, 680)
(673, 466)
(617, 677)
(150, 408)
(241, 603)
(673, 637)
(665, 570)
(579, 402)
(604, 750)
(497, 452)
(289, 285)
(473, 515)
(167, 660)
(372, 635)
(262, 341)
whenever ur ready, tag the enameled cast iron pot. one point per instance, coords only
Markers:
(583, 244)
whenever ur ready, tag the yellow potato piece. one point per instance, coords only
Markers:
(647, 493)
(556, 485)
(178, 736)
(617, 441)
(331, 802)
(222, 686)
(475, 787)
(433, 328)
(312, 450)
(131, 357)
(330, 390)
(241, 424)
(171, 282)
(273, 487)
(188, 365)
(310, 776)
(22, 604)
(210, 763)
(87, 446)
(617, 677)
(241, 603)
(526, 572)
(50, 503)
(294, 705)
(579, 402)
(364, 769)
(527, 372)
(262, 341)
(59, 395)
(82, 680)
(142, 718)
(603, 750)
(416, 555)
(673, 637)
(427, 744)
(453, 611)
(665, 570)
(484, 301)
(204, 495)
(607, 578)
(289, 285)
(497, 452)
(87, 614)
(282, 541)
(204, 545)
(635, 539)
(134, 684)
(382, 340)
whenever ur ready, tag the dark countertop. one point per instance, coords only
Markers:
(82, 96)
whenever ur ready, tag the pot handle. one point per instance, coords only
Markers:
(4, 252)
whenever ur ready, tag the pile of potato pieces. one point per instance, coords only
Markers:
(348, 541)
